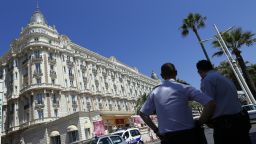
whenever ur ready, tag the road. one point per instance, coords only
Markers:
(209, 132)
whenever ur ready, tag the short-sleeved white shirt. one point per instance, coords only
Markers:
(170, 101)
(223, 91)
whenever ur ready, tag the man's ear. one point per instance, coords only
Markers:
(176, 72)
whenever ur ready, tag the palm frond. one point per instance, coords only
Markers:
(218, 54)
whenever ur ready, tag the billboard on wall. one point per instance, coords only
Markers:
(99, 128)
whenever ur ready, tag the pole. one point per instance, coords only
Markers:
(1, 106)
(235, 67)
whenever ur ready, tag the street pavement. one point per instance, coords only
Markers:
(209, 137)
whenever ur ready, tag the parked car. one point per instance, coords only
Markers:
(251, 109)
(106, 139)
(131, 135)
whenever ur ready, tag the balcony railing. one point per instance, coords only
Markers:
(70, 63)
(56, 104)
(100, 106)
(38, 73)
(53, 74)
(71, 76)
(39, 105)
(74, 104)
(52, 60)
(37, 58)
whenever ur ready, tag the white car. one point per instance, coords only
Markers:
(251, 109)
(131, 135)
(106, 139)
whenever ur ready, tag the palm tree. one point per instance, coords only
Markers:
(194, 22)
(225, 69)
(140, 101)
(235, 39)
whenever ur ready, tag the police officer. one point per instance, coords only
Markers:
(230, 123)
(170, 102)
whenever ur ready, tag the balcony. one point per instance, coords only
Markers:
(100, 106)
(56, 104)
(39, 106)
(70, 63)
(71, 76)
(53, 74)
(38, 73)
(74, 104)
(37, 58)
(52, 60)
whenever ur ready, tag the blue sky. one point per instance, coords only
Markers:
(139, 33)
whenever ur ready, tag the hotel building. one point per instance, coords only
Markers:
(55, 91)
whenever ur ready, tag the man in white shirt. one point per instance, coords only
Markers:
(230, 123)
(170, 102)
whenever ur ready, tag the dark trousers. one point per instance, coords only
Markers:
(190, 136)
(233, 129)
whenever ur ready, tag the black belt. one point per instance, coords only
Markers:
(227, 121)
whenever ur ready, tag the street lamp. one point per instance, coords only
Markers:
(235, 67)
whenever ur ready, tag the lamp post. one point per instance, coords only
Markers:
(235, 67)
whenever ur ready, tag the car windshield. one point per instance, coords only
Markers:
(93, 141)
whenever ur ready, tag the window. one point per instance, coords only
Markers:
(71, 83)
(16, 75)
(51, 67)
(54, 99)
(56, 113)
(38, 67)
(38, 81)
(66, 82)
(39, 98)
(105, 140)
(55, 140)
(87, 133)
(73, 136)
(40, 114)
(126, 135)
(36, 39)
(73, 99)
(37, 53)
(70, 72)
(134, 133)
(116, 139)
(53, 81)
(64, 68)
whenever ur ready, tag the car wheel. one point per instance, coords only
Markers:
(141, 142)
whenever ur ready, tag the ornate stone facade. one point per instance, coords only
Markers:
(47, 77)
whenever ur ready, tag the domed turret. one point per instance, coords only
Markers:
(154, 75)
(37, 17)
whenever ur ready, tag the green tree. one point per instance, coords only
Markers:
(235, 40)
(140, 101)
(225, 69)
(194, 21)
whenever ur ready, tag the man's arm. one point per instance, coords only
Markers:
(208, 112)
(149, 122)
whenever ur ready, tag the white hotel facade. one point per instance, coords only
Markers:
(55, 91)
